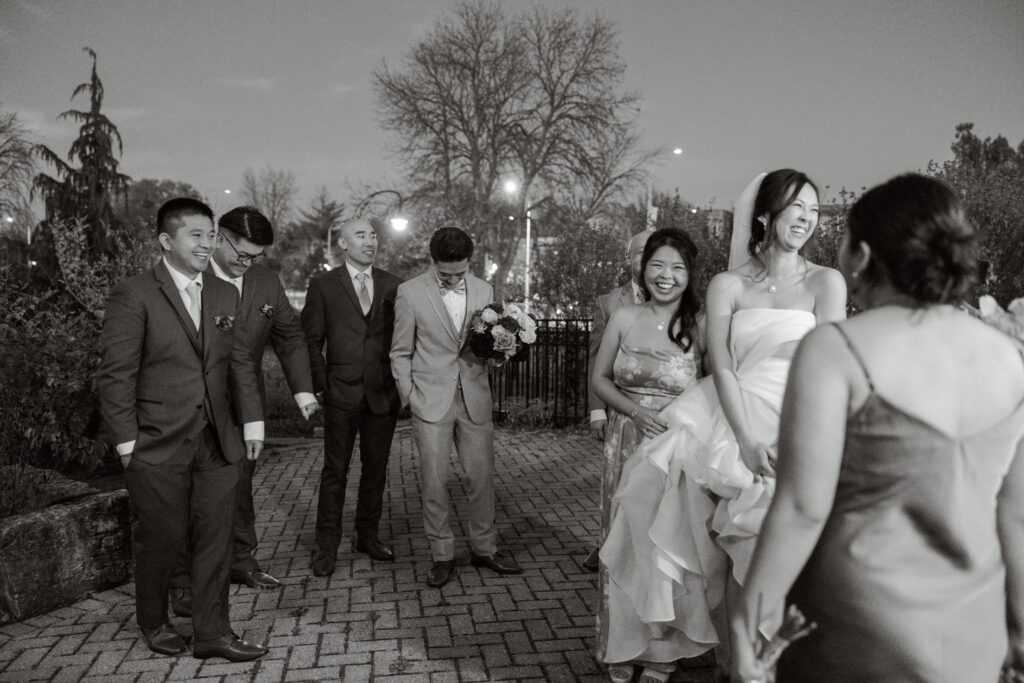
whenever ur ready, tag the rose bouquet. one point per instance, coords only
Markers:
(501, 332)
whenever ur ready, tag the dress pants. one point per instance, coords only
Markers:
(475, 446)
(375, 432)
(245, 521)
(198, 489)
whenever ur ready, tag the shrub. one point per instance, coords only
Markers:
(49, 355)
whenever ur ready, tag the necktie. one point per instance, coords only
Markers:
(364, 293)
(193, 302)
(639, 296)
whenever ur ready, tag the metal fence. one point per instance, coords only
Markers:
(549, 387)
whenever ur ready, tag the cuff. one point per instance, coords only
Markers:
(598, 415)
(253, 431)
(304, 398)
(125, 448)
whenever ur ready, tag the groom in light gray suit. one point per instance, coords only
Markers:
(447, 390)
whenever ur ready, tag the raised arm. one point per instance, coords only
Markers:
(722, 293)
(810, 453)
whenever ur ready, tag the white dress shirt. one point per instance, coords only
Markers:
(455, 302)
(353, 271)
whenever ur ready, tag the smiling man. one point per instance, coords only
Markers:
(265, 316)
(173, 376)
(350, 314)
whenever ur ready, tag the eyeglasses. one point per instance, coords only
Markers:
(244, 259)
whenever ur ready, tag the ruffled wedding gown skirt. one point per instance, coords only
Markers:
(687, 505)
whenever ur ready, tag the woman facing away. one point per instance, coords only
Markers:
(650, 353)
(898, 525)
(691, 501)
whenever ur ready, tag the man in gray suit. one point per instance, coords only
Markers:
(629, 293)
(447, 390)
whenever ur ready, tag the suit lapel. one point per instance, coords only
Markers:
(434, 297)
(207, 319)
(378, 292)
(248, 296)
(174, 299)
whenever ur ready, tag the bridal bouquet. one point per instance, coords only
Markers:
(501, 332)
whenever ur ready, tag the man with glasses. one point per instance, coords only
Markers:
(264, 315)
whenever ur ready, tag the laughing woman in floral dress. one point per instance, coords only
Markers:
(649, 355)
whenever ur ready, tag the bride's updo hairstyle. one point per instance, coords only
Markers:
(778, 190)
(919, 237)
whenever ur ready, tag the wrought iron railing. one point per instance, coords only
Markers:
(549, 387)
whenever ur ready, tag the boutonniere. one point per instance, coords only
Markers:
(224, 322)
(267, 311)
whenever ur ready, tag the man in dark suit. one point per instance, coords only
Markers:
(266, 316)
(447, 389)
(351, 311)
(172, 369)
(608, 303)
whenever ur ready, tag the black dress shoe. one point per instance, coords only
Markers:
(254, 578)
(440, 573)
(181, 602)
(164, 640)
(593, 561)
(231, 648)
(501, 562)
(322, 563)
(374, 548)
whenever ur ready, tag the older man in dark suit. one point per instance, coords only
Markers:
(171, 370)
(350, 312)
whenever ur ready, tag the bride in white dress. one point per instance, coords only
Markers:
(687, 513)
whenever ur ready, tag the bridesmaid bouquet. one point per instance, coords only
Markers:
(501, 332)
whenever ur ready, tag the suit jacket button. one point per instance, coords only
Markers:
(199, 407)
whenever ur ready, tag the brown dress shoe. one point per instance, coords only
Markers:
(323, 563)
(501, 562)
(181, 602)
(164, 640)
(374, 548)
(255, 578)
(593, 561)
(231, 648)
(440, 573)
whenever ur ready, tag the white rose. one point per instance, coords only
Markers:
(528, 323)
(528, 336)
(489, 315)
(513, 311)
(499, 331)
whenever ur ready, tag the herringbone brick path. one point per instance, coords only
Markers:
(374, 621)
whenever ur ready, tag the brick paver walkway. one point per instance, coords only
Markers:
(373, 620)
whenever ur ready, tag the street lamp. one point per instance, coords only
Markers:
(512, 188)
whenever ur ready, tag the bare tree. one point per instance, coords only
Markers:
(16, 169)
(533, 97)
(272, 191)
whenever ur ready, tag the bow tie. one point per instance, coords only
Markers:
(458, 289)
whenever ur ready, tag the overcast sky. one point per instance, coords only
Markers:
(851, 91)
